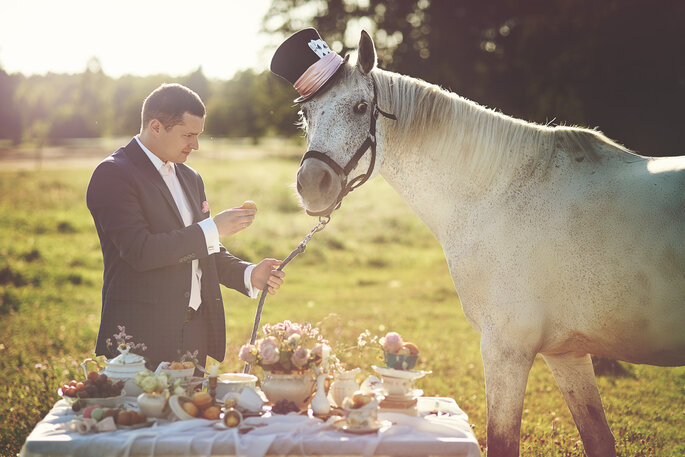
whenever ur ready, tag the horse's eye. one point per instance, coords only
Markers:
(360, 108)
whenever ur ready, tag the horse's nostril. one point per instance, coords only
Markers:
(325, 182)
(299, 187)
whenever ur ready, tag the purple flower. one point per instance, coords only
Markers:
(317, 350)
(293, 329)
(300, 357)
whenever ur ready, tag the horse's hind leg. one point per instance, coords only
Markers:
(506, 369)
(576, 380)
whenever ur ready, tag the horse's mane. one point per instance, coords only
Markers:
(486, 141)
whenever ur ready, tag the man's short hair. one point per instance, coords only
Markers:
(168, 103)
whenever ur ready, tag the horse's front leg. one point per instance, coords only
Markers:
(576, 379)
(506, 368)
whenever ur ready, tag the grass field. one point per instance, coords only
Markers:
(374, 267)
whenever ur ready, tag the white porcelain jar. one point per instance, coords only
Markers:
(344, 385)
(123, 367)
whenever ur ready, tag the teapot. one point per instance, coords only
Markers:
(123, 367)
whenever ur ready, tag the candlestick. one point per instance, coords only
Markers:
(212, 388)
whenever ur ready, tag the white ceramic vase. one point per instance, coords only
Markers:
(152, 405)
(297, 388)
(344, 385)
(320, 404)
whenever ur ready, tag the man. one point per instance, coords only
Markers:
(163, 261)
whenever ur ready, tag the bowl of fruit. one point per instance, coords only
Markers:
(200, 405)
(173, 370)
(97, 389)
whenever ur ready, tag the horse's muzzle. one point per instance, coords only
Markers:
(319, 186)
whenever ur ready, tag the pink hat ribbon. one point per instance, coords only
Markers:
(317, 74)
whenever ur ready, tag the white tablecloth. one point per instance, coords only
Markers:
(445, 433)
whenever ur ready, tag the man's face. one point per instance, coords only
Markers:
(176, 144)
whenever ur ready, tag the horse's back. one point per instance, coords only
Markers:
(621, 228)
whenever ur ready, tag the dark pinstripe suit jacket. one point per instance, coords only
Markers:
(147, 253)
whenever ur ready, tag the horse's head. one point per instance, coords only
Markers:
(340, 124)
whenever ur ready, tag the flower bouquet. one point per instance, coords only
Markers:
(287, 348)
(288, 352)
(399, 355)
(156, 389)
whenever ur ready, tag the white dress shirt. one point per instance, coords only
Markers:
(211, 233)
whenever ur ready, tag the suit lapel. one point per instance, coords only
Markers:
(148, 170)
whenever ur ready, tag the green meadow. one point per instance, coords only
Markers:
(375, 267)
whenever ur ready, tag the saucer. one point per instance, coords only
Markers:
(409, 396)
(341, 424)
(401, 374)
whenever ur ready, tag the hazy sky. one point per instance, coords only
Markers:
(137, 37)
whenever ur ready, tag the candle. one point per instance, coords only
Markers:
(214, 370)
(325, 351)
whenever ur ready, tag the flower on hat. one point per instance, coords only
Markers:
(205, 207)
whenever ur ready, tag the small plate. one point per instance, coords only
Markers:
(106, 402)
(147, 423)
(341, 424)
(402, 374)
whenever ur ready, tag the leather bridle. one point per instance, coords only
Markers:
(343, 172)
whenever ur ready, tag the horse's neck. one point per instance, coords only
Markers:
(422, 183)
(463, 154)
(437, 183)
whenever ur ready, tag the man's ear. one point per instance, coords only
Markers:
(155, 127)
(366, 59)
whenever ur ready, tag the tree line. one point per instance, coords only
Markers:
(49, 108)
(616, 65)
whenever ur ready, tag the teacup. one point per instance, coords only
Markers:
(234, 382)
(363, 417)
(250, 400)
(396, 387)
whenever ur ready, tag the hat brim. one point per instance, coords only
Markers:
(325, 83)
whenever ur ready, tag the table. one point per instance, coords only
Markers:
(441, 429)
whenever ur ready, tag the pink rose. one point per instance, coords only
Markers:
(317, 350)
(269, 351)
(300, 357)
(292, 329)
(392, 342)
(248, 353)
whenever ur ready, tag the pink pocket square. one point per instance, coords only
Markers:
(205, 207)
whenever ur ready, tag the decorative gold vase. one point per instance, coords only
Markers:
(297, 388)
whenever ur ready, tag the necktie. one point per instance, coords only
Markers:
(168, 173)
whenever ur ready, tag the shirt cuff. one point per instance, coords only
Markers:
(251, 291)
(211, 235)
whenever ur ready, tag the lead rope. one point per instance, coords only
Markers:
(298, 250)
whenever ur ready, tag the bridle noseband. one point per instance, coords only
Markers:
(343, 173)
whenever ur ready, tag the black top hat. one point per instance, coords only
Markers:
(306, 61)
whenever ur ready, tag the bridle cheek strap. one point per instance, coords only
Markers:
(343, 173)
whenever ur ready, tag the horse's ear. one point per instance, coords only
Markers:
(366, 59)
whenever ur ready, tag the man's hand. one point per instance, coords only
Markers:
(265, 273)
(233, 220)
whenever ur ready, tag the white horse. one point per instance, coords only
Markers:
(559, 241)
